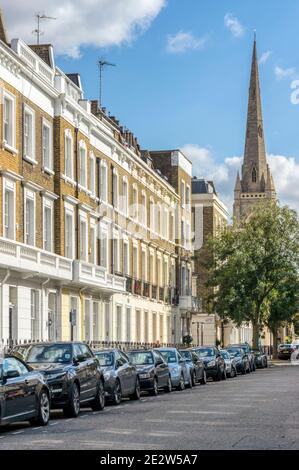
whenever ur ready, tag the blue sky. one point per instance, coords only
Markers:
(182, 75)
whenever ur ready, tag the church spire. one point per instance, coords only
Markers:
(255, 162)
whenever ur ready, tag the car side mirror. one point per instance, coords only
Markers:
(117, 364)
(78, 359)
(159, 362)
(182, 361)
(12, 374)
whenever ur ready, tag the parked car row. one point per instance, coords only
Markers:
(36, 378)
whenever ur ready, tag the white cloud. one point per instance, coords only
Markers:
(233, 24)
(184, 41)
(281, 73)
(79, 23)
(264, 57)
(285, 172)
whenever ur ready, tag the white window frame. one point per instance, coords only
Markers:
(82, 165)
(47, 166)
(10, 186)
(135, 272)
(126, 248)
(143, 209)
(93, 249)
(92, 174)
(103, 188)
(27, 111)
(115, 259)
(69, 211)
(83, 250)
(10, 146)
(134, 210)
(48, 204)
(115, 186)
(152, 215)
(125, 195)
(103, 235)
(68, 137)
(188, 197)
(31, 196)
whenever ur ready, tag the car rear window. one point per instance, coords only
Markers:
(50, 353)
(141, 358)
(106, 359)
(205, 352)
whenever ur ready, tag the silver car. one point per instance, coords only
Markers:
(120, 375)
(230, 363)
(179, 370)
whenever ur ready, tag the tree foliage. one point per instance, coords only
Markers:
(252, 264)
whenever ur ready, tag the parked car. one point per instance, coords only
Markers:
(213, 361)
(153, 371)
(260, 358)
(72, 373)
(179, 371)
(24, 394)
(121, 376)
(241, 360)
(197, 367)
(230, 363)
(286, 350)
(247, 350)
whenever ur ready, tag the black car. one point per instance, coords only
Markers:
(247, 350)
(286, 350)
(241, 360)
(213, 361)
(121, 376)
(72, 373)
(152, 369)
(260, 359)
(24, 394)
(197, 367)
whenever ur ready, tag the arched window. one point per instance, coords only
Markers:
(254, 175)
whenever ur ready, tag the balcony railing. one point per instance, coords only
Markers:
(146, 289)
(154, 292)
(97, 276)
(15, 255)
(161, 294)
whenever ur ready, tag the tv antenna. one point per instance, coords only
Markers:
(37, 31)
(102, 63)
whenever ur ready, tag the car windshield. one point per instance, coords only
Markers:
(106, 359)
(141, 358)
(234, 352)
(225, 355)
(205, 352)
(169, 356)
(186, 355)
(285, 345)
(50, 353)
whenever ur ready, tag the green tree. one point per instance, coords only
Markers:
(249, 262)
(283, 307)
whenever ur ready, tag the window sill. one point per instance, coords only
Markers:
(84, 189)
(9, 148)
(69, 180)
(48, 171)
(30, 160)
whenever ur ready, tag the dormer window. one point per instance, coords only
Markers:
(254, 175)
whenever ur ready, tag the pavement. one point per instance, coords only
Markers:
(256, 411)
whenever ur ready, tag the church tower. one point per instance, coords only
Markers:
(256, 181)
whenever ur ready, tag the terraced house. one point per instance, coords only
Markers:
(94, 233)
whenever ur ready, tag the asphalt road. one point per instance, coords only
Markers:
(257, 411)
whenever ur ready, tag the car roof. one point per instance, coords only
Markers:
(95, 351)
(161, 348)
(139, 350)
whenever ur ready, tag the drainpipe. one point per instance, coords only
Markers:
(1, 306)
(43, 284)
(81, 299)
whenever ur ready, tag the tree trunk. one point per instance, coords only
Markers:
(275, 342)
(255, 335)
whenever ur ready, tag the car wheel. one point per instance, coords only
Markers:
(203, 380)
(234, 373)
(244, 370)
(181, 385)
(72, 409)
(168, 387)
(136, 394)
(98, 403)
(43, 412)
(155, 390)
(218, 377)
(224, 375)
(266, 364)
(117, 394)
(193, 377)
